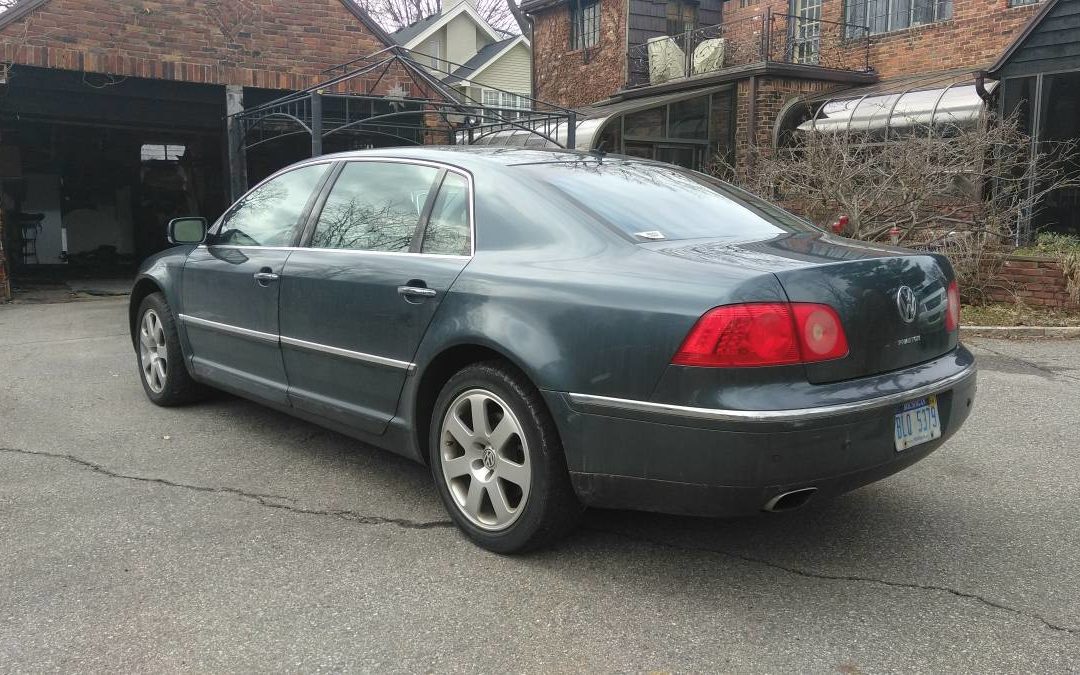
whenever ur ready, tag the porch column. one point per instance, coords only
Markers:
(234, 103)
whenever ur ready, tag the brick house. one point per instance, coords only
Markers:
(111, 113)
(686, 80)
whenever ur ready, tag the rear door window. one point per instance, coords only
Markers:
(374, 206)
(651, 202)
(448, 231)
(270, 214)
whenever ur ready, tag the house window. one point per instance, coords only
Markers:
(436, 57)
(508, 105)
(682, 17)
(882, 16)
(584, 23)
(1019, 3)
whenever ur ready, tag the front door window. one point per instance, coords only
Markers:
(270, 214)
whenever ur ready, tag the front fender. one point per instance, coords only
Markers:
(161, 272)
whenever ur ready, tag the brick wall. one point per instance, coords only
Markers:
(576, 78)
(978, 32)
(1034, 281)
(276, 44)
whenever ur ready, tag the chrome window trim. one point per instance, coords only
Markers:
(270, 338)
(347, 353)
(228, 329)
(421, 162)
(795, 415)
(339, 250)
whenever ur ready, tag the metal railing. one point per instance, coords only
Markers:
(766, 37)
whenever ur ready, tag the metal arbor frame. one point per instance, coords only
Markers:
(346, 104)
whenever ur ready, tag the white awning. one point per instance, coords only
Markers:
(957, 105)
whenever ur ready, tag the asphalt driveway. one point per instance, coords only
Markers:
(225, 536)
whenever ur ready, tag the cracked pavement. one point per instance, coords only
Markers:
(225, 536)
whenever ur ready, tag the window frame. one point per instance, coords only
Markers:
(851, 23)
(580, 38)
(422, 223)
(302, 221)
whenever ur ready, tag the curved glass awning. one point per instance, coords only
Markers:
(938, 100)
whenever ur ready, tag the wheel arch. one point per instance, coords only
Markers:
(438, 372)
(144, 287)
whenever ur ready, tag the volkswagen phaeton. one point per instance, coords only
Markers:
(551, 330)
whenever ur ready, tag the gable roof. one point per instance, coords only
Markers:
(436, 21)
(24, 7)
(1022, 37)
(484, 58)
(405, 35)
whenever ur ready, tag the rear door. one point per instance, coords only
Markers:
(230, 287)
(357, 296)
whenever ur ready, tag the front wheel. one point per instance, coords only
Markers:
(162, 370)
(498, 462)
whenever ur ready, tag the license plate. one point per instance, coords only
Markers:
(917, 422)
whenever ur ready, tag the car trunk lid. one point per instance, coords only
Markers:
(887, 327)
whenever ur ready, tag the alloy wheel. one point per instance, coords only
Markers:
(153, 353)
(485, 459)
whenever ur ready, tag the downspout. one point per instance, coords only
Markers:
(751, 121)
(980, 86)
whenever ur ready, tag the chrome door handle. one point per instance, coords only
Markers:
(417, 291)
(263, 277)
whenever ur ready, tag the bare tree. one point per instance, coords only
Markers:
(963, 191)
(396, 14)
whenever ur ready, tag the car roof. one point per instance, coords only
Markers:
(470, 155)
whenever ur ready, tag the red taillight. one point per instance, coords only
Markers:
(821, 336)
(763, 334)
(952, 307)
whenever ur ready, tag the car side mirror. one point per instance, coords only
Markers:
(187, 230)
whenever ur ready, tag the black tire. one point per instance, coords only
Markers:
(549, 509)
(177, 387)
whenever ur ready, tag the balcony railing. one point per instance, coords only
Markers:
(767, 37)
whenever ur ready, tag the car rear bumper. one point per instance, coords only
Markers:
(673, 459)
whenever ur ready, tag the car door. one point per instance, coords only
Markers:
(230, 287)
(359, 293)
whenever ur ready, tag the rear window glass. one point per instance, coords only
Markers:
(657, 203)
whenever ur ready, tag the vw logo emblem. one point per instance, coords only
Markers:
(489, 459)
(907, 303)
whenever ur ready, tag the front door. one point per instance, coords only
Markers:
(229, 289)
(358, 295)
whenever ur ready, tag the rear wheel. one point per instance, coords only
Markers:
(498, 462)
(162, 370)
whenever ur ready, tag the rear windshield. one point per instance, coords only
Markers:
(656, 203)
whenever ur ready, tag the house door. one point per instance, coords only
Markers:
(805, 34)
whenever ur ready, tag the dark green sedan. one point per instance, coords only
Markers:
(554, 330)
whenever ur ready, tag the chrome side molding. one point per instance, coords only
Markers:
(228, 329)
(270, 338)
(723, 415)
(346, 353)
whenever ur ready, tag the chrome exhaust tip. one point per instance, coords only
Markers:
(789, 501)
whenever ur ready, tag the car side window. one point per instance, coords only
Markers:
(374, 206)
(270, 214)
(448, 231)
